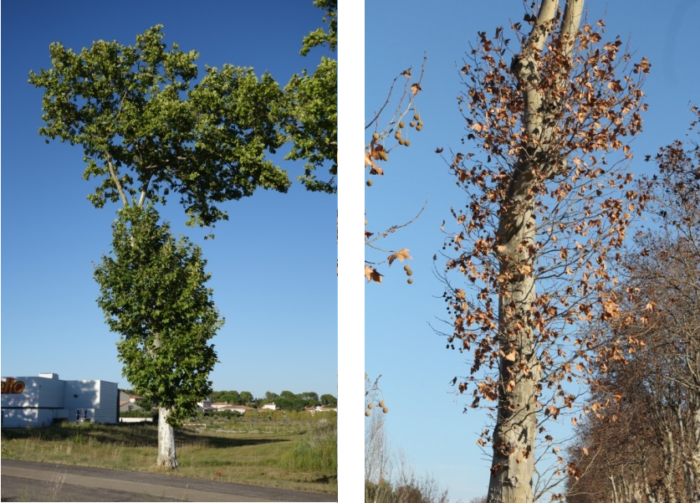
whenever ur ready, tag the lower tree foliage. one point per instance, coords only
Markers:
(153, 293)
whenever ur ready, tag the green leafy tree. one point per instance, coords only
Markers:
(147, 131)
(153, 293)
(288, 395)
(293, 403)
(311, 107)
(309, 395)
(232, 397)
(329, 400)
(246, 397)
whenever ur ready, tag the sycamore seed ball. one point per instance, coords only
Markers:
(375, 136)
(369, 183)
(385, 410)
(406, 268)
(410, 281)
(368, 413)
(381, 404)
(402, 125)
(412, 123)
(369, 405)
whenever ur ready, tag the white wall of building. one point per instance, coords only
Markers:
(46, 398)
(38, 392)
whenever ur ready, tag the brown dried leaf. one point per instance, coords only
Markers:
(553, 410)
(401, 255)
(372, 274)
(376, 170)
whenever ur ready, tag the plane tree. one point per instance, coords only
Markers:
(546, 212)
(153, 293)
(150, 133)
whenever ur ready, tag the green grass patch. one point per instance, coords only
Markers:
(293, 451)
(317, 451)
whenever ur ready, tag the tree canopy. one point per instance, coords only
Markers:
(153, 293)
(147, 130)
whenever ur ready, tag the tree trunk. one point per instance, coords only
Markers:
(166, 440)
(694, 475)
(513, 463)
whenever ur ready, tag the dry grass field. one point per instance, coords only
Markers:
(289, 450)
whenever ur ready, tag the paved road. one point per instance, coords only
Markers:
(29, 481)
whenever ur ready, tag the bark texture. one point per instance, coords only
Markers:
(513, 463)
(166, 440)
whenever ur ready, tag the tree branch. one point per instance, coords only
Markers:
(115, 179)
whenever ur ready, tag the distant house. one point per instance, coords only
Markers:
(320, 408)
(205, 406)
(129, 402)
(270, 406)
(128, 397)
(241, 409)
(129, 407)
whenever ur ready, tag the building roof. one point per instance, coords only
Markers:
(234, 407)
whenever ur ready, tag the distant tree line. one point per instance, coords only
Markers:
(286, 400)
(639, 441)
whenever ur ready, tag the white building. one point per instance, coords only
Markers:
(38, 401)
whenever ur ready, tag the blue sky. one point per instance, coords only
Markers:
(425, 418)
(271, 263)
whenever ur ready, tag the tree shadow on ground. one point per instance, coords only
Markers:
(326, 479)
(128, 435)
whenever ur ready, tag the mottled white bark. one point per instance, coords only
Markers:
(513, 463)
(166, 440)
